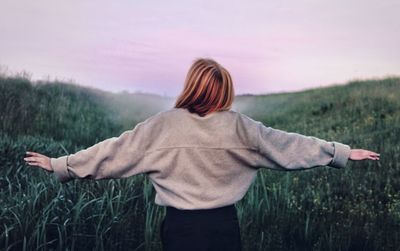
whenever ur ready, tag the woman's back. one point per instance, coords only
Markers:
(200, 162)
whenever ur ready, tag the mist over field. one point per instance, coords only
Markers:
(356, 208)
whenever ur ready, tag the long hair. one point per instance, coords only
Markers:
(208, 88)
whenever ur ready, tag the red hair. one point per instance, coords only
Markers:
(208, 88)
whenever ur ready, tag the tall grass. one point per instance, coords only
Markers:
(356, 208)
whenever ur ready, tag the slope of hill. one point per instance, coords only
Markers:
(68, 111)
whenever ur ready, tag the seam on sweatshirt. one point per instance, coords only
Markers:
(201, 147)
(259, 136)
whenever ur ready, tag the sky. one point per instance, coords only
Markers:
(148, 46)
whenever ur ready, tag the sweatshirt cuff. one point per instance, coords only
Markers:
(59, 166)
(341, 155)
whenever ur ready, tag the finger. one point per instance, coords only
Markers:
(32, 159)
(37, 163)
(374, 156)
(33, 163)
(40, 155)
(34, 154)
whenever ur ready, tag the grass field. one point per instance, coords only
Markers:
(356, 208)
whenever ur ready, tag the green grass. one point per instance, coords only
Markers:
(356, 208)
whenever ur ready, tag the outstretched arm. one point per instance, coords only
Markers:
(115, 157)
(279, 149)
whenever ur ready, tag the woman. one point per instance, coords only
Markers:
(201, 158)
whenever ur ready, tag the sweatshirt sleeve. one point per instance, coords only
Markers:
(292, 151)
(115, 157)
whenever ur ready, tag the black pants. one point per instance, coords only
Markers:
(201, 229)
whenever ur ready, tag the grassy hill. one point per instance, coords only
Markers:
(357, 208)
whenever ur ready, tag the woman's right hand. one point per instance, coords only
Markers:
(40, 160)
(361, 154)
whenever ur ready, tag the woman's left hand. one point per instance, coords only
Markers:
(361, 154)
(37, 159)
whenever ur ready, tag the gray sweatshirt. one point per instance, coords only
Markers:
(198, 162)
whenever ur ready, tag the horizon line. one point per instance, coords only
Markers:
(28, 76)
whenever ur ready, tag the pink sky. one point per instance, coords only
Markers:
(268, 46)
